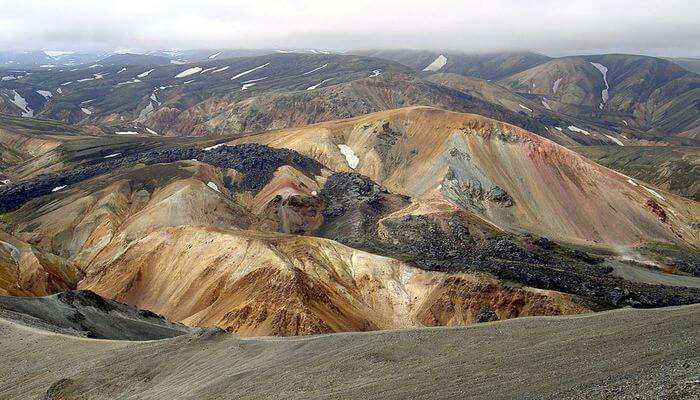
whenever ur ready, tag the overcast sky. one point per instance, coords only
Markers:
(553, 27)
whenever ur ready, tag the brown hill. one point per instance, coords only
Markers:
(511, 178)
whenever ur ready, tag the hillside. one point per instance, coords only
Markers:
(649, 94)
(690, 64)
(480, 65)
(404, 218)
(469, 161)
(115, 93)
(85, 314)
(675, 169)
(650, 354)
(561, 99)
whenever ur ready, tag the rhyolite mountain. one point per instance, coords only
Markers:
(294, 193)
(403, 218)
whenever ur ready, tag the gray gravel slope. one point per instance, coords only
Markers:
(624, 353)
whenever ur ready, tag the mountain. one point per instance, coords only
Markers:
(283, 109)
(26, 270)
(116, 94)
(404, 218)
(674, 169)
(655, 96)
(291, 89)
(130, 59)
(631, 353)
(23, 139)
(209, 102)
(495, 65)
(462, 158)
(46, 59)
(84, 313)
(247, 278)
(690, 64)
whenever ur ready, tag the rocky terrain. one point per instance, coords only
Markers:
(85, 314)
(395, 219)
(621, 354)
(439, 157)
(653, 96)
(229, 95)
(242, 92)
(672, 168)
(490, 66)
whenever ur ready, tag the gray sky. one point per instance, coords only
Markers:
(554, 27)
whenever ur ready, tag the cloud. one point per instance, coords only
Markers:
(555, 27)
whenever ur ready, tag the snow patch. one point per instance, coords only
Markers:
(350, 156)
(603, 94)
(616, 140)
(152, 132)
(631, 182)
(220, 69)
(654, 192)
(126, 133)
(112, 155)
(213, 56)
(318, 84)
(128, 82)
(577, 129)
(188, 72)
(213, 186)
(251, 82)
(56, 53)
(86, 111)
(555, 85)
(57, 188)
(20, 102)
(59, 90)
(216, 146)
(121, 70)
(249, 71)
(437, 64)
(525, 108)
(316, 69)
(45, 93)
(145, 74)
(545, 104)
(375, 72)
(9, 78)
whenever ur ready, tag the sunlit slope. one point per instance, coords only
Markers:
(514, 179)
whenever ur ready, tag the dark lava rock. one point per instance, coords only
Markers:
(486, 315)
(346, 190)
(498, 195)
(256, 162)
